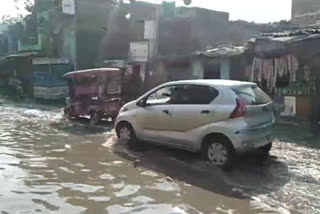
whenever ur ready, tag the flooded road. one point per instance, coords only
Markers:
(51, 167)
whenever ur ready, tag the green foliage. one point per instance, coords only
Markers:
(26, 4)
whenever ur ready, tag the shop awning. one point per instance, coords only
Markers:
(270, 45)
(19, 55)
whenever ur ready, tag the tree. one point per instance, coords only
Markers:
(22, 7)
(26, 4)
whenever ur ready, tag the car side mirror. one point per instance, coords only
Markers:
(142, 103)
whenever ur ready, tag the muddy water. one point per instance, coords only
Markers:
(47, 166)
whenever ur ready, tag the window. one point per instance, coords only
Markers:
(252, 95)
(184, 94)
(40, 68)
(160, 97)
(86, 81)
(58, 70)
(194, 94)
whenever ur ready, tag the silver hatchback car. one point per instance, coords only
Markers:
(215, 117)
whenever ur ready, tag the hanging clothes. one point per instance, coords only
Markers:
(307, 73)
(268, 72)
(248, 72)
(293, 66)
(257, 68)
(275, 73)
(283, 66)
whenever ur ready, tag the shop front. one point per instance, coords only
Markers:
(288, 69)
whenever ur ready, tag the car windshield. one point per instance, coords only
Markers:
(252, 95)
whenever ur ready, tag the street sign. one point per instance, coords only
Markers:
(150, 29)
(139, 51)
(69, 7)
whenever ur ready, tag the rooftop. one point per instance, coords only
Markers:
(290, 36)
(222, 51)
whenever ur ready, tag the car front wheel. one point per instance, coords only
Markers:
(218, 153)
(126, 134)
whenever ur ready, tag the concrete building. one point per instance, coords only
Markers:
(65, 32)
(306, 12)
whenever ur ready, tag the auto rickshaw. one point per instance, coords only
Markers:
(95, 93)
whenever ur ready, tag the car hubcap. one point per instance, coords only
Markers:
(217, 154)
(125, 135)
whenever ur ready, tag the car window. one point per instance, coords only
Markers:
(160, 97)
(194, 94)
(252, 95)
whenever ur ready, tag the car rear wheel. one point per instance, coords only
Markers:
(218, 152)
(266, 148)
(126, 134)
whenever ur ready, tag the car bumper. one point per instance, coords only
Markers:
(249, 139)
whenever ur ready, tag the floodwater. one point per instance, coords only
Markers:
(48, 165)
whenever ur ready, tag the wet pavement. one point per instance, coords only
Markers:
(48, 165)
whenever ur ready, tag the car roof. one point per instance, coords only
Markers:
(213, 82)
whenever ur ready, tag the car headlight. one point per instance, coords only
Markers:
(123, 109)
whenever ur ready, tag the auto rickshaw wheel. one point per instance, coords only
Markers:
(94, 118)
(67, 113)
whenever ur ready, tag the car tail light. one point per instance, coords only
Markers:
(240, 109)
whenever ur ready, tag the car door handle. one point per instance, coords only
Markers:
(205, 112)
(166, 112)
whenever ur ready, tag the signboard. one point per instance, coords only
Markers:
(150, 29)
(289, 107)
(69, 7)
(139, 51)
(47, 60)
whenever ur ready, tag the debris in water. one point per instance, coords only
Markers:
(110, 142)
(67, 146)
(99, 198)
(117, 162)
(143, 199)
(136, 162)
(149, 173)
(107, 177)
(128, 190)
(237, 190)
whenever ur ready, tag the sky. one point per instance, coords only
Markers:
(260, 11)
